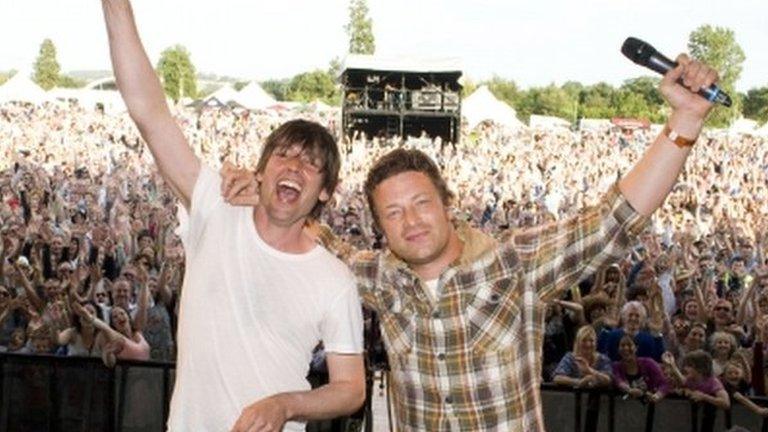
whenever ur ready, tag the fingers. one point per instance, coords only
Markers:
(237, 186)
(693, 74)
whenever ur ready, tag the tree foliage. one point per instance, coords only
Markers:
(504, 89)
(717, 47)
(308, 86)
(5, 76)
(177, 73)
(550, 100)
(360, 29)
(276, 87)
(66, 81)
(46, 69)
(756, 104)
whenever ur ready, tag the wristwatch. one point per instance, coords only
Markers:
(675, 137)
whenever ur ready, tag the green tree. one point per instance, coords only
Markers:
(647, 102)
(645, 86)
(717, 47)
(756, 104)
(360, 29)
(597, 101)
(308, 86)
(468, 87)
(276, 87)
(504, 89)
(46, 73)
(573, 89)
(177, 73)
(66, 81)
(550, 100)
(5, 76)
(334, 67)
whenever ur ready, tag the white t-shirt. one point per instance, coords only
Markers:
(250, 315)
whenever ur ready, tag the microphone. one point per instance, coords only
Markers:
(644, 54)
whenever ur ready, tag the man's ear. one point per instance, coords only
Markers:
(324, 195)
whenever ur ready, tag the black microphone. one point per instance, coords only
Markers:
(644, 54)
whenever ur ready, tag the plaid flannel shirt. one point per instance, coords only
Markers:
(472, 360)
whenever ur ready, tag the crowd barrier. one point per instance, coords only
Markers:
(61, 394)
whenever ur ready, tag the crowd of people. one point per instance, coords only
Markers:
(90, 264)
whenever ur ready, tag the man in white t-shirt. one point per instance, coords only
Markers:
(258, 293)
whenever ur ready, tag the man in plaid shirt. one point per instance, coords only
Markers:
(463, 313)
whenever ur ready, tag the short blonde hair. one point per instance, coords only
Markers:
(581, 334)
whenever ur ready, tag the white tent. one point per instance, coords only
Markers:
(482, 106)
(743, 126)
(319, 106)
(110, 100)
(548, 122)
(253, 96)
(593, 124)
(763, 130)
(225, 95)
(20, 88)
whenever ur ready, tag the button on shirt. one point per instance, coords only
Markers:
(472, 359)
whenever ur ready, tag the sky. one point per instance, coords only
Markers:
(534, 43)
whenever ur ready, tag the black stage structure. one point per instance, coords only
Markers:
(401, 96)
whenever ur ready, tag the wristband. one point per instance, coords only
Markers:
(675, 137)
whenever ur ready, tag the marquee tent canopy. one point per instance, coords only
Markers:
(20, 88)
(482, 106)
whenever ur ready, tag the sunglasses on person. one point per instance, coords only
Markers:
(722, 309)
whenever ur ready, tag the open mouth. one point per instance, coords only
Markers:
(288, 191)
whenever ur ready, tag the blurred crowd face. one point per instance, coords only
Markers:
(587, 345)
(121, 294)
(632, 319)
(681, 327)
(121, 320)
(733, 373)
(695, 338)
(627, 348)
(723, 312)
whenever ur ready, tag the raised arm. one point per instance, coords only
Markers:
(650, 180)
(143, 95)
(34, 300)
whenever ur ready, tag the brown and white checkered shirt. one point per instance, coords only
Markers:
(472, 360)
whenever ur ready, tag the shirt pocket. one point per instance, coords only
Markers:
(493, 316)
(397, 323)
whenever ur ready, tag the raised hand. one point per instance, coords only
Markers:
(239, 186)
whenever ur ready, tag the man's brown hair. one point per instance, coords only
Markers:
(316, 142)
(400, 161)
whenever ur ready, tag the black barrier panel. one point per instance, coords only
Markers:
(61, 394)
(27, 402)
(140, 398)
(629, 415)
(673, 415)
(558, 409)
(742, 416)
(82, 396)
